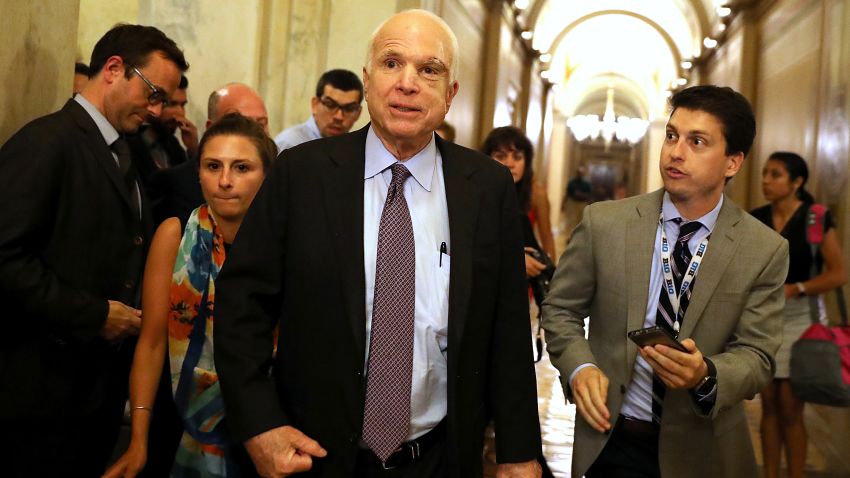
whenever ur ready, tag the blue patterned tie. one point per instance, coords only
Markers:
(386, 418)
(666, 315)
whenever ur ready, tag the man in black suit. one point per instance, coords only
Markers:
(392, 263)
(176, 192)
(73, 237)
(155, 147)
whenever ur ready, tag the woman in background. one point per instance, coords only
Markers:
(179, 303)
(783, 184)
(511, 147)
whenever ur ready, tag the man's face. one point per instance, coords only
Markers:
(126, 102)
(694, 164)
(175, 111)
(336, 111)
(407, 82)
(242, 100)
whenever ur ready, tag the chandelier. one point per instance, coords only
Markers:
(624, 129)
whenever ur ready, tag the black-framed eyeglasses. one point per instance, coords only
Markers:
(157, 96)
(332, 106)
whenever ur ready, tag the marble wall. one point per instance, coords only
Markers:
(37, 58)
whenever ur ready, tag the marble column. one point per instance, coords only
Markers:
(38, 54)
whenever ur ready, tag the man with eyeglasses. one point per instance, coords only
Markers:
(155, 146)
(336, 107)
(74, 234)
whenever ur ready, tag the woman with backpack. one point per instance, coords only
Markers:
(810, 274)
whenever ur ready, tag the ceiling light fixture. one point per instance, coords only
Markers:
(546, 57)
(526, 35)
(709, 42)
(623, 128)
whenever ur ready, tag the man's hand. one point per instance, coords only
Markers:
(283, 451)
(533, 267)
(121, 321)
(590, 394)
(528, 469)
(189, 135)
(678, 370)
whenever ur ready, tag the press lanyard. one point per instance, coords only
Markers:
(689, 274)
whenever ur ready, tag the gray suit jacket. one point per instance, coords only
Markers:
(735, 318)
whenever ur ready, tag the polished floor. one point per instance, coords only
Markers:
(829, 431)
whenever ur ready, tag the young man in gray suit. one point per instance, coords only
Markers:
(685, 259)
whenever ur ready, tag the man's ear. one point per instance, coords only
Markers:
(114, 68)
(734, 163)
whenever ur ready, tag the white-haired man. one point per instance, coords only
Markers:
(399, 338)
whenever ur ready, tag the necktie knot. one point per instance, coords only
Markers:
(400, 174)
(687, 230)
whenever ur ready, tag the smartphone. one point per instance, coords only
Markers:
(655, 335)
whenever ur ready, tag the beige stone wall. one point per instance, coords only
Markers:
(97, 17)
(38, 60)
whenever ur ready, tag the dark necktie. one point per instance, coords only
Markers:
(122, 151)
(386, 418)
(666, 315)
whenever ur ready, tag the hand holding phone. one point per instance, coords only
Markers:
(655, 335)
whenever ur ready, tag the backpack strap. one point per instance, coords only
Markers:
(815, 232)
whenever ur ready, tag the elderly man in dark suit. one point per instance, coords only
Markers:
(74, 230)
(392, 263)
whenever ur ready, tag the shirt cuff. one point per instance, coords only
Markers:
(576, 371)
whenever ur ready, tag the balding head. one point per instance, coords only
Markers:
(410, 80)
(424, 18)
(239, 98)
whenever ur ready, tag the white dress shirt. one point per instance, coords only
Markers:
(425, 193)
(300, 133)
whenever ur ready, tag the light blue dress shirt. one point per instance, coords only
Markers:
(637, 402)
(425, 193)
(300, 133)
(109, 133)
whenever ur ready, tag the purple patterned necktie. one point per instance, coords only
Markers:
(665, 315)
(386, 418)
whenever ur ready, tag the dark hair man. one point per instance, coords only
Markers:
(154, 146)
(335, 108)
(406, 377)
(73, 240)
(686, 259)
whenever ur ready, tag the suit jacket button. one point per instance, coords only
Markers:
(622, 389)
(129, 284)
(138, 240)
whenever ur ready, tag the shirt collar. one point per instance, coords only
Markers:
(421, 166)
(313, 127)
(669, 211)
(109, 133)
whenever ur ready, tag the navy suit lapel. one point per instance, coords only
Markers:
(343, 197)
(463, 204)
(99, 149)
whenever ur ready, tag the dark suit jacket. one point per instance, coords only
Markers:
(298, 262)
(175, 192)
(141, 152)
(69, 240)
